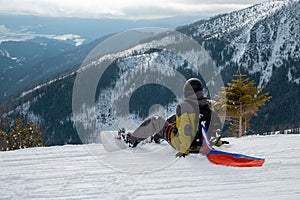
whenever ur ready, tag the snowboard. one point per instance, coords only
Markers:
(111, 141)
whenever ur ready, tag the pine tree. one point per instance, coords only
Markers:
(3, 140)
(15, 135)
(242, 99)
(21, 135)
(34, 137)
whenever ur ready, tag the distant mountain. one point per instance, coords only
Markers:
(258, 38)
(35, 48)
(21, 26)
(27, 63)
(18, 58)
(263, 40)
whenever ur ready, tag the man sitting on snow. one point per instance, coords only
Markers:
(183, 130)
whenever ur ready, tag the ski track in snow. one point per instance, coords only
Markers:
(71, 172)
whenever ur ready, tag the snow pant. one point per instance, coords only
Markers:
(153, 126)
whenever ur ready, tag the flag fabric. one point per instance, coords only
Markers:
(226, 158)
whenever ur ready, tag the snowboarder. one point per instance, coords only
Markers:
(182, 130)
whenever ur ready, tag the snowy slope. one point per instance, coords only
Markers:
(88, 172)
(259, 38)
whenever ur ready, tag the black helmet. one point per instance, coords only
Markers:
(192, 86)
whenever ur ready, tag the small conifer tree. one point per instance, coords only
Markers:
(242, 99)
(21, 136)
(3, 140)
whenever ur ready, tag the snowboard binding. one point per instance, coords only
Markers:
(125, 137)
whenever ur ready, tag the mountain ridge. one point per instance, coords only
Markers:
(276, 69)
(241, 39)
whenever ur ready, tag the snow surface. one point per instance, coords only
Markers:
(76, 172)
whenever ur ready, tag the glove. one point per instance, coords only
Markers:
(179, 154)
(220, 142)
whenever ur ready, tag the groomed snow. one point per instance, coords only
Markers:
(89, 172)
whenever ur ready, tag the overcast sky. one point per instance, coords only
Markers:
(122, 9)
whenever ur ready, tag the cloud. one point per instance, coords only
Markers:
(129, 9)
(8, 35)
(76, 38)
